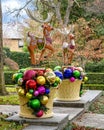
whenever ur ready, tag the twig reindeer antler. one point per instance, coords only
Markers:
(35, 16)
(65, 30)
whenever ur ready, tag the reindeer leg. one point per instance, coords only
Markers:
(70, 58)
(31, 51)
(41, 55)
(64, 57)
(50, 47)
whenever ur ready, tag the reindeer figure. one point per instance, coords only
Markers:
(46, 41)
(68, 46)
(40, 43)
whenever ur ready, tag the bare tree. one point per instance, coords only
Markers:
(2, 81)
(55, 8)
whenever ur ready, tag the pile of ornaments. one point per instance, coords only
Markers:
(35, 85)
(71, 73)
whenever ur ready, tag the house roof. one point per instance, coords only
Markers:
(12, 31)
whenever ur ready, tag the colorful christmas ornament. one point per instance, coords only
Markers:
(40, 113)
(72, 79)
(36, 93)
(59, 74)
(28, 95)
(29, 74)
(31, 84)
(41, 80)
(41, 90)
(85, 78)
(31, 91)
(44, 100)
(35, 104)
(47, 91)
(40, 73)
(50, 76)
(57, 68)
(21, 92)
(16, 76)
(67, 73)
(76, 73)
(20, 81)
(57, 80)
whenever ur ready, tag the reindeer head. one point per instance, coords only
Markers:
(29, 34)
(47, 27)
(71, 36)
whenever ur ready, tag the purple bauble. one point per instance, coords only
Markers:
(41, 90)
(72, 79)
(36, 93)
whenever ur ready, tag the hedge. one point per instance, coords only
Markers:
(22, 58)
(95, 66)
(93, 86)
(95, 78)
(8, 77)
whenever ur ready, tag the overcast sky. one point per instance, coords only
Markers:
(11, 5)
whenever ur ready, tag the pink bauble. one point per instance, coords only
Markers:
(29, 74)
(41, 90)
(40, 113)
(72, 79)
(36, 93)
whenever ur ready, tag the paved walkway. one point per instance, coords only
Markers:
(86, 119)
(91, 120)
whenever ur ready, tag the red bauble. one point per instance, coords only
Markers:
(31, 84)
(40, 73)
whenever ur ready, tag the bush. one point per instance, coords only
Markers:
(95, 78)
(8, 77)
(6, 51)
(21, 58)
(95, 67)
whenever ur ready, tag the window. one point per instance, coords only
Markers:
(20, 43)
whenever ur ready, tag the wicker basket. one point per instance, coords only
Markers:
(69, 91)
(28, 112)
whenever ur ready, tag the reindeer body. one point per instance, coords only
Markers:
(68, 49)
(40, 43)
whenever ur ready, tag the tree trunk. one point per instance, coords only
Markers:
(2, 81)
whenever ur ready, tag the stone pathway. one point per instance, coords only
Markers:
(62, 114)
(91, 120)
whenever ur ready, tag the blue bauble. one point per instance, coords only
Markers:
(59, 74)
(47, 91)
(67, 73)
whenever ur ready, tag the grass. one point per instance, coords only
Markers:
(11, 99)
(98, 105)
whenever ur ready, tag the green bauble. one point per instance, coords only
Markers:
(57, 68)
(35, 104)
(55, 84)
(16, 76)
(76, 73)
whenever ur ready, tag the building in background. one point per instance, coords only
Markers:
(12, 37)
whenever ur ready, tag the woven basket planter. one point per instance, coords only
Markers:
(27, 112)
(69, 91)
